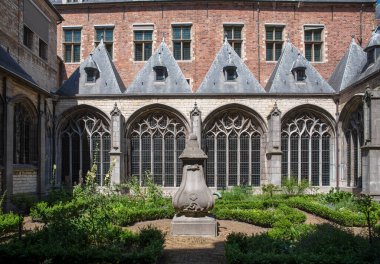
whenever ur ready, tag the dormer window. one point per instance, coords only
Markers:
(371, 56)
(230, 73)
(161, 73)
(92, 75)
(300, 75)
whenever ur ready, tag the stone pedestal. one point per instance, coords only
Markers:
(193, 200)
(194, 226)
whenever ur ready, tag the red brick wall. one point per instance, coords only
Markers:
(340, 21)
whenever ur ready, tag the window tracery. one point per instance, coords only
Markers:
(25, 130)
(354, 139)
(306, 147)
(156, 143)
(85, 140)
(233, 146)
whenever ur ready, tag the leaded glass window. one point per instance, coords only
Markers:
(85, 141)
(306, 150)
(155, 145)
(25, 136)
(354, 134)
(233, 147)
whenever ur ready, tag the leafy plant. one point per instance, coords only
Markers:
(367, 207)
(290, 186)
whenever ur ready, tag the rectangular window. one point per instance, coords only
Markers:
(313, 43)
(182, 42)
(71, 45)
(234, 37)
(143, 44)
(274, 41)
(28, 37)
(42, 49)
(107, 34)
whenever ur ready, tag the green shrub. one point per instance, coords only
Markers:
(8, 223)
(264, 218)
(290, 186)
(317, 244)
(237, 193)
(70, 244)
(343, 216)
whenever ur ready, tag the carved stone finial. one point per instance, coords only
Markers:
(163, 36)
(195, 111)
(115, 111)
(275, 111)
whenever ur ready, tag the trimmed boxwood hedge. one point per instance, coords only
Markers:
(49, 246)
(323, 244)
(264, 218)
(343, 217)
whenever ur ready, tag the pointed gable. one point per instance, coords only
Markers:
(284, 78)
(229, 74)
(96, 75)
(160, 74)
(349, 68)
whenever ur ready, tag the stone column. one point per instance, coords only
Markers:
(196, 123)
(41, 176)
(371, 147)
(116, 154)
(8, 160)
(274, 152)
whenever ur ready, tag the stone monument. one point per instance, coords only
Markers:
(194, 199)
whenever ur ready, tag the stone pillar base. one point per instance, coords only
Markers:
(194, 226)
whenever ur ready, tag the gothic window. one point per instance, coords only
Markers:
(306, 147)
(25, 128)
(85, 141)
(156, 143)
(354, 135)
(233, 146)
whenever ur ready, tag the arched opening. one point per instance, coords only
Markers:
(353, 140)
(85, 140)
(307, 146)
(232, 140)
(156, 139)
(25, 133)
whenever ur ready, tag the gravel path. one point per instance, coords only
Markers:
(198, 249)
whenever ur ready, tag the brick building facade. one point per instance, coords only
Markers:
(271, 89)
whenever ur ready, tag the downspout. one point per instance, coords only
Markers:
(5, 123)
(37, 155)
(361, 26)
(258, 41)
(337, 143)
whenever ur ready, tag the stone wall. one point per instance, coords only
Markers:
(262, 105)
(44, 73)
(340, 23)
(24, 180)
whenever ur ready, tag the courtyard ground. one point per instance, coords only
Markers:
(208, 250)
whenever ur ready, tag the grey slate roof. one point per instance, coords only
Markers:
(145, 81)
(370, 69)
(10, 65)
(349, 68)
(282, 79)
(373, 41)
(109, 81)
(215, 82)
(295, 1)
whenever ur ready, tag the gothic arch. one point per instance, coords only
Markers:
(25, 121)
(308, 144)
(149, 109)
(233, 138)
(84, 139)
(351, 127)
(156, 136)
